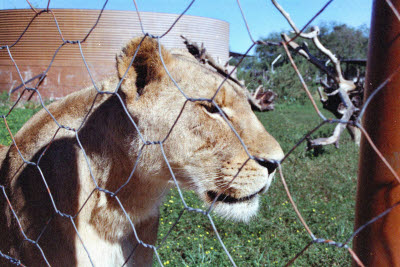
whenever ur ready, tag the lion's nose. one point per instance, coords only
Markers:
(271, 165)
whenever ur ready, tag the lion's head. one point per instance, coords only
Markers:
(202, 149)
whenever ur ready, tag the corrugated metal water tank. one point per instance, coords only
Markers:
(35, 50)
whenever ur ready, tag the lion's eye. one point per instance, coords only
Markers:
(210, 108)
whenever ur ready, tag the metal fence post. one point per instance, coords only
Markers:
(379, 243)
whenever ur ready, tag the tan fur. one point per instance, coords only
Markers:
(202, 150)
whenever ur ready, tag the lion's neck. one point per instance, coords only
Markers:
(111, 149)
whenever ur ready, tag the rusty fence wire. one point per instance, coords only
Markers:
(26, 90)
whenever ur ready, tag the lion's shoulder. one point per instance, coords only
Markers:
(68, 113)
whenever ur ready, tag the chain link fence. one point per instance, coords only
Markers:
(186, 208)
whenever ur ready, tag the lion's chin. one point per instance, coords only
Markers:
(241, 211)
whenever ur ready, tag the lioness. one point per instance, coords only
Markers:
(202, 150)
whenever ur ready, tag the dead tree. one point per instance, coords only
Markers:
(261, 100)
(341, 97)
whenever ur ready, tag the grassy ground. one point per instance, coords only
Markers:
(323, 186)
(14, 120)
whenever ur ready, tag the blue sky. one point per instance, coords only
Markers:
(261, 15)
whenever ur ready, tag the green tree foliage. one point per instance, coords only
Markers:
(344, 41)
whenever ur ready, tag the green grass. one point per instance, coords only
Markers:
(323, 187)
(15, 120)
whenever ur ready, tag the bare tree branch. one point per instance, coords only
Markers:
(335, 98)
(307, 55)
(291, 23)
(201, 54)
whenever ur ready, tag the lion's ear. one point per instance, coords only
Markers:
(147, 66)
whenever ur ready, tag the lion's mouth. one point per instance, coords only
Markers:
(229, 199)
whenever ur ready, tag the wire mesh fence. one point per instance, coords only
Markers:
(98, 189)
